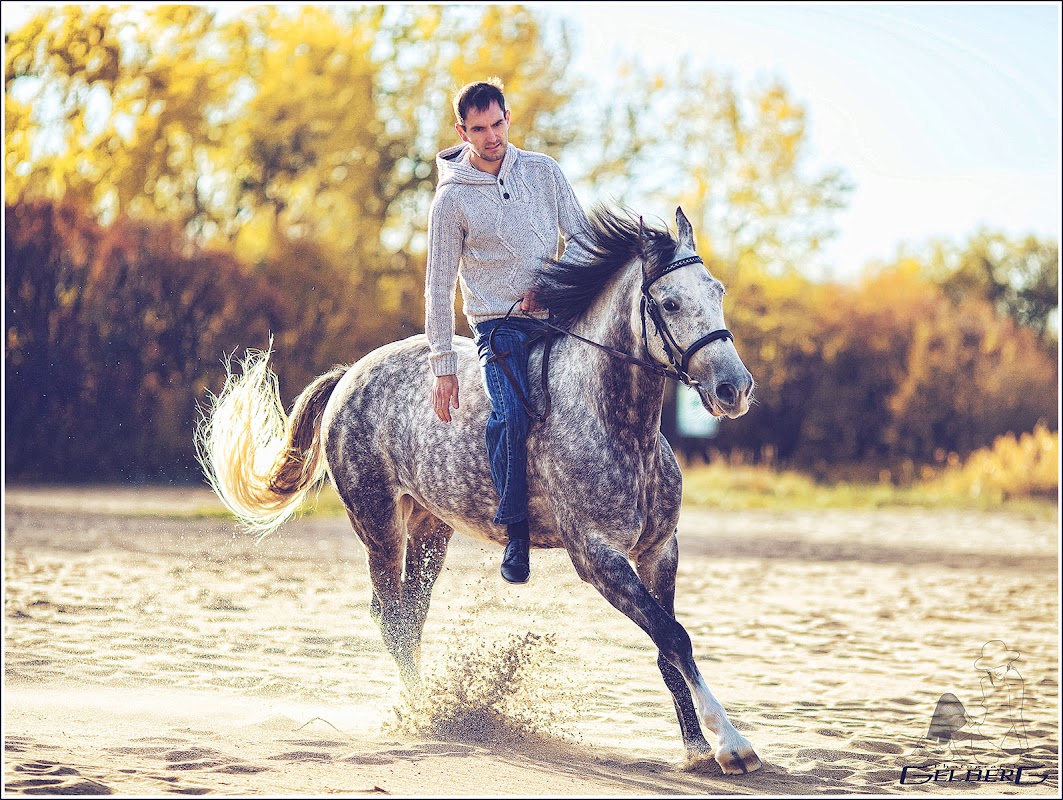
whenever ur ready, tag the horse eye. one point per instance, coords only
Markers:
(670, 305)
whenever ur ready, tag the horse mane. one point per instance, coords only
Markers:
(568, 286)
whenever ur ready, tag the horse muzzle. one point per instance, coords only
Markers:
(728, 396)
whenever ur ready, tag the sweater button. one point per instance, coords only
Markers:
(505, 196)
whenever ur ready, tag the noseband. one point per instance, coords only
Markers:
(679, 358)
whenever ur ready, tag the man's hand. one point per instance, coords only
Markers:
(529, 304)
(445, 395)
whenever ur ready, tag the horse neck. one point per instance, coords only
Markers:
(631, 397)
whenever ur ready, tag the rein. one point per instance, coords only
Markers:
(677, 356)
(501, 359)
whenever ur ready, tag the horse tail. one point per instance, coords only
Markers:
(260, 462)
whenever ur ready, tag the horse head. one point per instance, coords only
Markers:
(683, 325)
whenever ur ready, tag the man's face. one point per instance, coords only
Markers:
(486, 133)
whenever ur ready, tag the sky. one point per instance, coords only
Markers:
(945, 117)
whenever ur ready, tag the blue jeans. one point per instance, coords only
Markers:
(507, 427)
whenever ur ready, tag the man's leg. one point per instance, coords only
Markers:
(506, 435)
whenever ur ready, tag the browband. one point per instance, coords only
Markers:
(680, 263)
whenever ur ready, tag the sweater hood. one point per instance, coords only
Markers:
(452, 165)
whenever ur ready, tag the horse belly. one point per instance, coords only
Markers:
(446, 470)
(449, 474)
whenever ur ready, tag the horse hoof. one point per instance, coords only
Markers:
(738, 760)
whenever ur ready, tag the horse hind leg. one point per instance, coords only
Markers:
(426, 549)
(608, 570)
(380, 524)
(405, 548)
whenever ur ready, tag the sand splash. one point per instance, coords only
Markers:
(483, 692)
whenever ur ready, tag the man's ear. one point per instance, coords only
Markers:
(461, 131)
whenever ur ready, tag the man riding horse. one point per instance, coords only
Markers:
(494, 222)
(636, 305)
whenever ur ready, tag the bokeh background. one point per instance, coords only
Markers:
(182, 182)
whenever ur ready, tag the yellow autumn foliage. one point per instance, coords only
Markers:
(1014, 466)
(299, 141)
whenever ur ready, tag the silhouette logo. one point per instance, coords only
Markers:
(962, 746)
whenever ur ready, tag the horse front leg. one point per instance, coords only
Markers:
(656, 569)
(609, 571)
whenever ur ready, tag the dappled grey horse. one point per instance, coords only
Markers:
(603, 482)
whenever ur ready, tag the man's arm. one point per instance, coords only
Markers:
(529, 303)
(445, 238)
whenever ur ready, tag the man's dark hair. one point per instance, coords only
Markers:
(478, 96)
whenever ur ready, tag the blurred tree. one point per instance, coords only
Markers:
(114, 106)
(112, 335)
(300, 140)
(888, 372)
(970, 376)
(780, 336)
(302, 137)
(736, 164)
(1019, 278)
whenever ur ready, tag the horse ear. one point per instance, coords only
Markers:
(686, 231)
(644, 248)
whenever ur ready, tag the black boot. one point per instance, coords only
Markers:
(515, 568)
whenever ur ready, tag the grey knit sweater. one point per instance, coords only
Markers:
(492, 234)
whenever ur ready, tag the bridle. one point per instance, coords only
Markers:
(677, 356)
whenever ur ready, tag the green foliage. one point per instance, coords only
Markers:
(1019, 279)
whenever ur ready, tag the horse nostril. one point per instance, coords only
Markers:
(727, 394)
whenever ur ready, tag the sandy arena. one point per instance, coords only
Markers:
(150, 651)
